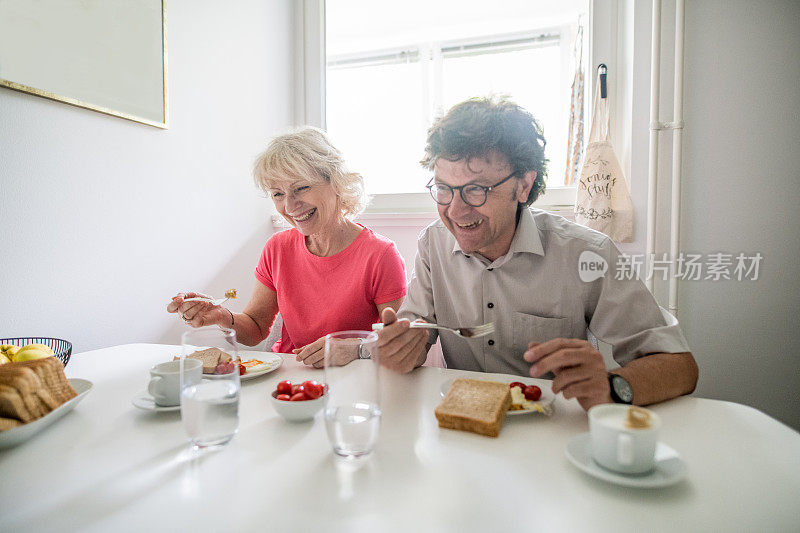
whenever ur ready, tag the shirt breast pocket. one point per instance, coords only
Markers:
(533, 328)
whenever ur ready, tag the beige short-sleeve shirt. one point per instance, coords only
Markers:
(532, 293)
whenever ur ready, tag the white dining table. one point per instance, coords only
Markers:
(108, 466)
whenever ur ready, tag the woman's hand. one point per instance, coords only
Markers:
(198, 314)
(312, 354)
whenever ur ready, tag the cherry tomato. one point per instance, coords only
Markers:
(284, 397)
(284, 387)
(299, 397)
(532, 393)
(242, 369)
(313, 389)
(518, 384)
(298, 388)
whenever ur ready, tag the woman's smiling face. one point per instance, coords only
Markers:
(308, 206)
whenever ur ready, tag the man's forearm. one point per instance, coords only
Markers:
(660, 376)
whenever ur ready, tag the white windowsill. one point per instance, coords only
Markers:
(412, 219)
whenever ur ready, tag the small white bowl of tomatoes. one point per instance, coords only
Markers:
(297, 402)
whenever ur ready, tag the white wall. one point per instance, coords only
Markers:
(739, 191)
(103, 219)
(740, 194)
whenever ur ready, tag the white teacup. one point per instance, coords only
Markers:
(165, 380)
(619, 445)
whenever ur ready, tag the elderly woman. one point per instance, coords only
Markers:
(326, 273)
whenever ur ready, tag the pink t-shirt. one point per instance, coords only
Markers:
(320, 295)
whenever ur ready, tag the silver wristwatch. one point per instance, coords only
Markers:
(621, 391)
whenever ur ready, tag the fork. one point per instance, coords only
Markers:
(464, 333)
(212, 301)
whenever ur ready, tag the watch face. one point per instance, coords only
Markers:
(362, 353)
(623, 389)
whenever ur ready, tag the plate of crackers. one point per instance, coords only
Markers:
(33, 395)
(519, 404)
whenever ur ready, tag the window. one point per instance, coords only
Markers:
(389, 74)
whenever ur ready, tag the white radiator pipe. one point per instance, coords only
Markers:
(677, 143)
(652, 175)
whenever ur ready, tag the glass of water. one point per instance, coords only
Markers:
(210, 408)
(352, 411)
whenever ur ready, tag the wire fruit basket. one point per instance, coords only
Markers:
(62, 349)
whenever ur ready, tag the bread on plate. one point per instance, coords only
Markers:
(210, 357)
(474, 405)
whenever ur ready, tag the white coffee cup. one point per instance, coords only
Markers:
(165, 380)
(618, 446)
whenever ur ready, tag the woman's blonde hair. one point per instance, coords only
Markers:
(307, 155)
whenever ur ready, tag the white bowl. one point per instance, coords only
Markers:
(296, 411)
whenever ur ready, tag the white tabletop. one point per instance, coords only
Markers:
(108, 466)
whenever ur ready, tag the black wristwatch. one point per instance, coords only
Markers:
(621, 391)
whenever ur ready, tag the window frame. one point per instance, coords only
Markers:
(311, 109)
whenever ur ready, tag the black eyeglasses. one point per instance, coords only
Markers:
(474, 195)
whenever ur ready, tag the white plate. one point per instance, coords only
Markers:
(545, 402)
(144, 401)
(12, 437)
(670, 468)
(272, 362)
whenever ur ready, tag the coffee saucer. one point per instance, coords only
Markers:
(146, 402)
(669, 469)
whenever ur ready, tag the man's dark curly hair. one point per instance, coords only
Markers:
(477, 126)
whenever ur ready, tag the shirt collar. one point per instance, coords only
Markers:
(526, 238)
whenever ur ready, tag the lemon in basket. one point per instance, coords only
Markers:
(32, 351)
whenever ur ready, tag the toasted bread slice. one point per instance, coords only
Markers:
(12, 405)
(210, 357)
(474, 405)
(20, 377)
(9, 423)
(50, 372)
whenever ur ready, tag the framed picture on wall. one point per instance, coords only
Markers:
(106, 55)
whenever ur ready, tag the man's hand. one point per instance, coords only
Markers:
(401, 348)
(579, 369)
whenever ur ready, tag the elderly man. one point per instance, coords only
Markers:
(493, 259)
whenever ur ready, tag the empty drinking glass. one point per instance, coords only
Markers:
(210, 408)
(352, 411)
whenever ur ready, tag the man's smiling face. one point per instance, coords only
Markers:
(488, 229)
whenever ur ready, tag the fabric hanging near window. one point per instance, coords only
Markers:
(575, 129)
(603, 200)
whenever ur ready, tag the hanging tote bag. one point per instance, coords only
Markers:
(603, 201)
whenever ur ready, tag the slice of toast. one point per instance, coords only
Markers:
(474, 405)
(9, 423)
(20, 377)
(12, 405)
(50, 371)
(31, 389)
(210, 357)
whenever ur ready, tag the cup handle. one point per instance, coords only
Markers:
(152, 385)
(625, 449)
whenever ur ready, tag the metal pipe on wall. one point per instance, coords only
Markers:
(652, 174)
(677, 145)
(677, 132)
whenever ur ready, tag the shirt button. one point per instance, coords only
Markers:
(491, 342)
(490, 305)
